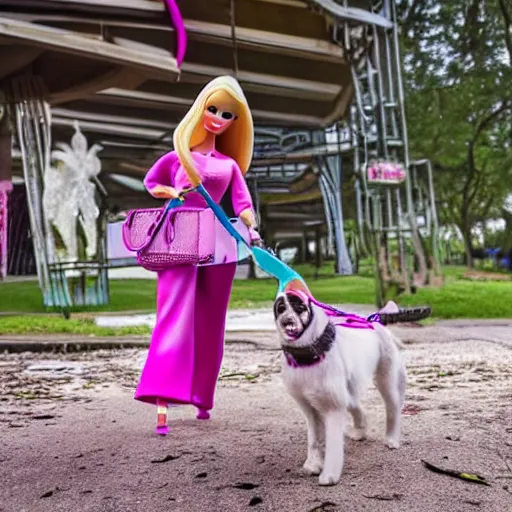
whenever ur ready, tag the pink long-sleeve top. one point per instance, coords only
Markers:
(217, 172)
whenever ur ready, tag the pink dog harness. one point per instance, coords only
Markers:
(314, 354)
(336, 316)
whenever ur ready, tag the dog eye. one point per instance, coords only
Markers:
(212, 109)
(279, 307)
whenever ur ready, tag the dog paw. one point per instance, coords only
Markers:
(312, 467)
(357, 434)
(326, 478)
(392, 444)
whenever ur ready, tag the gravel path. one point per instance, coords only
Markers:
(74, 439)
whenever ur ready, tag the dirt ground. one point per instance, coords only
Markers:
(73, 438)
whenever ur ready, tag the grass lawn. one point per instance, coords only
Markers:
(459, 298)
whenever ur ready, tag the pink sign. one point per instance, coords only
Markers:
(386, 172)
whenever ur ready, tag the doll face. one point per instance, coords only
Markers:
(220, 113)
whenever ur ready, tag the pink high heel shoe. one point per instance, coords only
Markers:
(203, 414)
(162, 429)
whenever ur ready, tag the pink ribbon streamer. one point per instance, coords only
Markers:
(179, 27)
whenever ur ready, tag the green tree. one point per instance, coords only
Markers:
(458, 71)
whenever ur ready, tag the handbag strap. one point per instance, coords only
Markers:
(173, 203)
(157, 224)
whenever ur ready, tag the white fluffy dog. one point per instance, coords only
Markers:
(326, 368)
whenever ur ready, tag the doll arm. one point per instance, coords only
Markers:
(242, 205)
(159, 180)
(241, 198)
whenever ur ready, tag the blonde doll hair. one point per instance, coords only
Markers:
(236, 141)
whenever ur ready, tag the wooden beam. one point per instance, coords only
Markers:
(215, 33)
(280, 199)
(113, 129)
(153, 65)
(121, 76)
(142, 5)
(266, 41)
(111, 119)
(289, 3)
(158, 101)
(288, 84)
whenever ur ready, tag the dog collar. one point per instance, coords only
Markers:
(309, 355)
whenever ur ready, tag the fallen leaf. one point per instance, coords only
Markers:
(461, 475)
(384, 497)
(167, 458)
(246, 486)
(326, 506)
(256, 500)
(411, 410)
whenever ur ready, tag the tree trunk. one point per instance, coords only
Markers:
(468, 246)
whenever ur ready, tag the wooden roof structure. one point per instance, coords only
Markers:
(112, 66)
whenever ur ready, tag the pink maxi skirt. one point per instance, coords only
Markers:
(187, 345)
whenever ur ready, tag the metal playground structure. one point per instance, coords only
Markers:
(323, 79)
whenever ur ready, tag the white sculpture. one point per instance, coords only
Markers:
(69, 195)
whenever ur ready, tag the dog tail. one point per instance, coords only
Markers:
(387, 335)
(404, 315)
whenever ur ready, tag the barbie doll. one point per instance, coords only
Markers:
(213, 146)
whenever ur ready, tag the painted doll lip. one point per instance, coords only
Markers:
(214, 123)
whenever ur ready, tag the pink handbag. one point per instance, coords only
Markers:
(165, 238)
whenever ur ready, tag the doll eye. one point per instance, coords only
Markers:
(227, 115)
(212, 109)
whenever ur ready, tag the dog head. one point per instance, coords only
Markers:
(293, 314)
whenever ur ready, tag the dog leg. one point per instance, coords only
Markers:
(314, 463)
(391, 381)
(358, 433)
(334, 448)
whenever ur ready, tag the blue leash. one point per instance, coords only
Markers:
(267, 261)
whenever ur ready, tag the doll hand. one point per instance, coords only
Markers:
(258, 243)
(256, 240)
(164, 192)
(248, 219)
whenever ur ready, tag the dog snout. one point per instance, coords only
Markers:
(287, 320)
